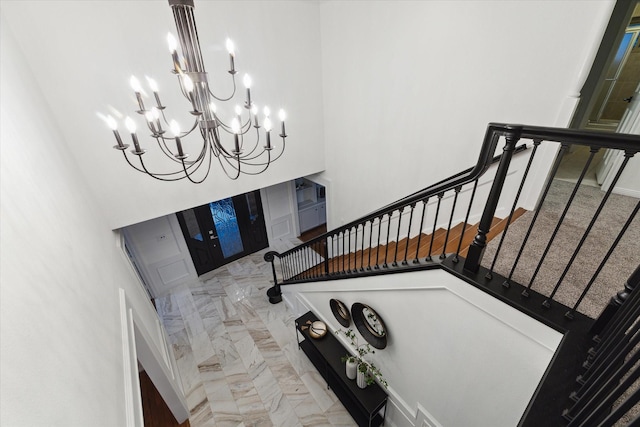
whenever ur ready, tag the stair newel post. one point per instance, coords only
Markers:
(476, 250)
(274, 293)
(603, 321)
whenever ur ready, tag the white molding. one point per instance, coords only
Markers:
(626, 192)
(132, 396)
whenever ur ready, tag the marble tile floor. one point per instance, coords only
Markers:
(238, 356)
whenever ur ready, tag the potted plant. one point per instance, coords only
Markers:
(357, 366)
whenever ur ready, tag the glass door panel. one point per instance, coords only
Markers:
(226, 222)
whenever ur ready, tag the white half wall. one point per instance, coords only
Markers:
(446, 341)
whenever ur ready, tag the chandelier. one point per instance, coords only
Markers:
(236, 144)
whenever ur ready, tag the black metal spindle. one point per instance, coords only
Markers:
(435, 224)
(370, 243)
(326, 256)
(616, 307)
(547, 302)
(576, 187)
(569, 314)
(536, 143)
(619, 411)
(424, 211)
(406, 248)
(364, 224)
(395, 255)
(377, 266)
(386, 248)
(554, 170)
(344, 238)
(456, 190)
(466, 221)
(602, 400)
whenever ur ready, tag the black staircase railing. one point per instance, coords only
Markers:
(420, 230)
(430, 229)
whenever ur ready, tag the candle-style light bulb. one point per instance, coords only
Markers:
(232, 53)
(267, 127)
(188, 83)
(152, 84)
(172, 42)
(130, 125)
(282, 116)
(135, 84)
(254, 112)
(175, 130)
(113, 124)
(137, 88)
(247, 83)
(235, 128)
(189, 87)
(173, 46)
(149, 116)
(155, 113)
(238, 110)
(266, 111)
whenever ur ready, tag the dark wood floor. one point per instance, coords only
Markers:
(314, 232)
(155, 411)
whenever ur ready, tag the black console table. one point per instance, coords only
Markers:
(364, 405)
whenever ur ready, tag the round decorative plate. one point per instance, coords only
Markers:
(370, 325)
(318, 329)
(341, 312)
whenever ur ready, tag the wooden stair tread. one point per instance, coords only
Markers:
(386, 253)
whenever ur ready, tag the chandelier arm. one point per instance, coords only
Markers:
(233, 78)
(154, 175)
(219, 148)
(270, 161)
(266, 165)
(188, 175)
(255, 146)
(237, 169)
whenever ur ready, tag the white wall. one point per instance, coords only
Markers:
(409, 87)
(455, 356)
(83, 58)
(62, 361)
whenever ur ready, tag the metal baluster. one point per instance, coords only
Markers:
(435, 223)
(453, 209)
(547, 302)
(355, 251)
(424, 210)
(386, 249)
(343, 239)
(406, 248)
(395, 255)
(593, 152)
(563, 149)
(326, 256)
(370, 242)
(600, 403)
(362, 251)
(377, 266)
(466, 221)
(622, 409)
(612, 313)
(536, 143)
(569, 314)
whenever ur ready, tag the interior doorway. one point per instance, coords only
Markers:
(224, 230)
(608, 91)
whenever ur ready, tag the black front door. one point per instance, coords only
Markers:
(223, 231)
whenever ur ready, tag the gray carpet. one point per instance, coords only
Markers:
(623, 261)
